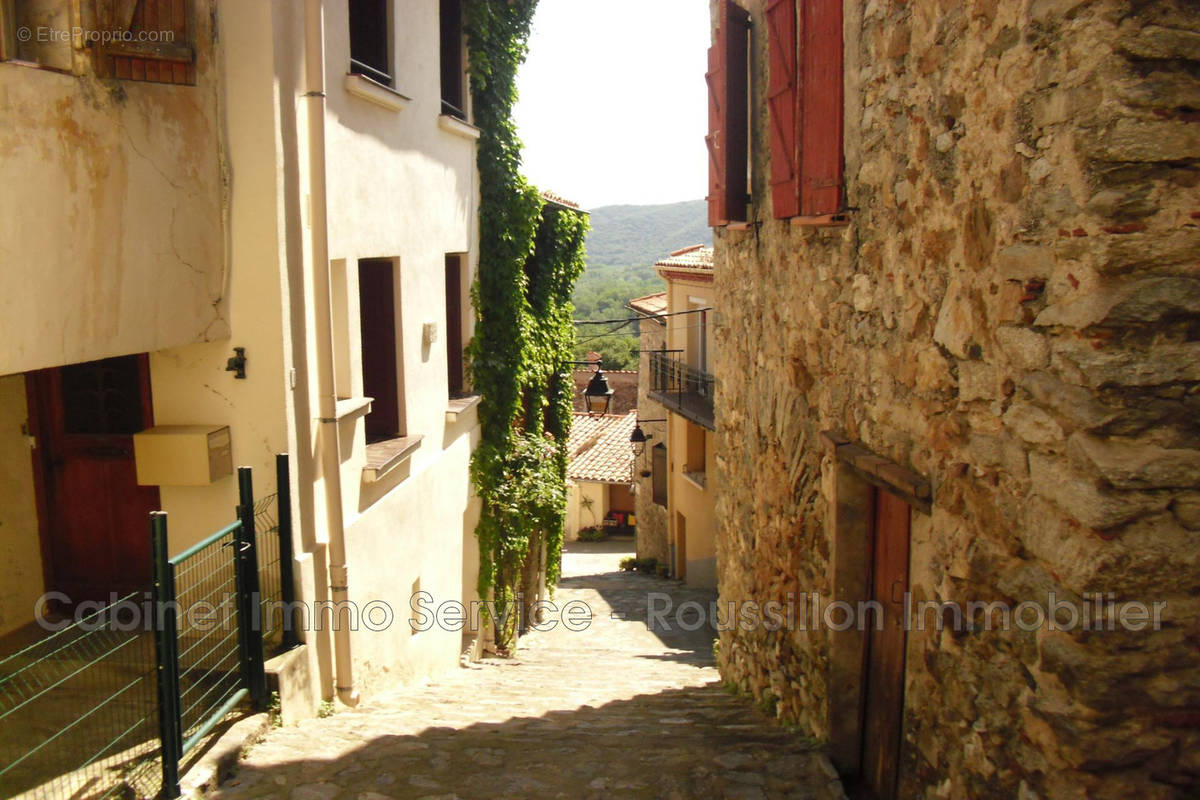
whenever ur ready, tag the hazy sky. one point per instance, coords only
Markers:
(613, 104)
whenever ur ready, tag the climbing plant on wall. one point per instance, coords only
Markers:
(530, 255)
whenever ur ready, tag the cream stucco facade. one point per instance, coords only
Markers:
(691, 475)
(181, 221)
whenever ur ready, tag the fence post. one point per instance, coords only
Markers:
(249, 598)
(166, 647)
(287, 578)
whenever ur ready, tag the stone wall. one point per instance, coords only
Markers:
(1013, 312)
(652, 535)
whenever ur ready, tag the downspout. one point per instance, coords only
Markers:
(327, 439)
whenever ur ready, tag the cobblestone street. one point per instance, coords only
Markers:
(615, 711)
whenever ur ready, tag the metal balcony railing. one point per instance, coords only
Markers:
(681, 388)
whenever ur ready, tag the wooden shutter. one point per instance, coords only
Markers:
(157, 40)
(658, 463)
(782, 107)
(821, 107)
(728, 117)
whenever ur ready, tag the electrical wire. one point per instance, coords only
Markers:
(639, 319)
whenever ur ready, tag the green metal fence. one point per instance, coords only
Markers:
(209, 644)
(111, 704)
(77, 709)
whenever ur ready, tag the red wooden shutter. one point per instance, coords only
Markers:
(728, 115)
(158, 43)
(782, 111)
(715, 77)
(821, 107)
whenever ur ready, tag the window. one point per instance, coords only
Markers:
(36, 32)
(154, 43)
(377, 310)
(658, 467)
(728, 116)
(454, 70)
(695, 449)
(456, 323)
(370, 53)
(697, 336)
(804, 107)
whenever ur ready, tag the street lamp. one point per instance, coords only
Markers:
(597, 396)
(637, 439)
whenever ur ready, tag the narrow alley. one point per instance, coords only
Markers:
(612, 711)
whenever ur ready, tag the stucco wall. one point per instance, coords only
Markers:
(579, 514)
(1010, 312)
(652, 541)
(686, 496)
(112, 234)
(21, 578)
(190, 385)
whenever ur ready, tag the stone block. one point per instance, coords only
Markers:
(1158, 42)
(1117, 366)
(1080, 497)
(1033, 424)
(1140, 140)
(1026, 349)
(1127, 464)
(1161, 252)
(1186, 509)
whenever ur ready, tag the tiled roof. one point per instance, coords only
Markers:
(598, 448)
(698, 256)
(551, 197)
(652, 304)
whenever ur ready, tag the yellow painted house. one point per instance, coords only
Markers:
(682, 381)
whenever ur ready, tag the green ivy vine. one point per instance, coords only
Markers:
(530, 255)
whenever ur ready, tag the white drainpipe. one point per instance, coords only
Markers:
(327, 441)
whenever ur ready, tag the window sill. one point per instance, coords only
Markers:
(460, 405)
(457, 127)
(385, 456)
(697, 479)
(375, 92)
(351, 407)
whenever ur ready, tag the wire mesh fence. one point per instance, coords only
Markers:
(109, 703)
(208, 621)
(271, 610)
(79, 712)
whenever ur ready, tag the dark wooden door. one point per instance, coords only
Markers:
(883, 706)
(95, 517)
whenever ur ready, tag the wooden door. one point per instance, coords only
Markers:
(95, 517)
(883, 706)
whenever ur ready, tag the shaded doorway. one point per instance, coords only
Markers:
(94, 516)
(883, 700)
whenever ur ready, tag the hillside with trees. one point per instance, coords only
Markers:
(622, 247)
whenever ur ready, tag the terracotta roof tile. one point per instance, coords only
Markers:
(652, 304)
(695, 257)
(598, 448)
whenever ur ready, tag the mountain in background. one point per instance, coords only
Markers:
(622, 247)
(641, 235)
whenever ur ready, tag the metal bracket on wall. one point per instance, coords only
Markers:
(237, 363)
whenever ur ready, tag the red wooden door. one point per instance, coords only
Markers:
(96, 531)
(884, 698)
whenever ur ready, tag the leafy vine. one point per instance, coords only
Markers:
(530, 255)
